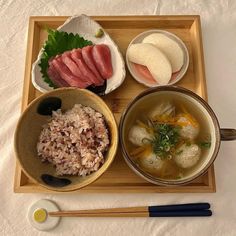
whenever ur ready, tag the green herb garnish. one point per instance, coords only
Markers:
(166, 136)
(57, 43)
(205, 144)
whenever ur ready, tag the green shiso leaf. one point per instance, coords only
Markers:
(57, 43)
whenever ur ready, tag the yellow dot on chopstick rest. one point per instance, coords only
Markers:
(40, 215)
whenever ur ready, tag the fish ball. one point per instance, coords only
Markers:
(187, 156)
(151, 162)
(137, 134)
(188, 131)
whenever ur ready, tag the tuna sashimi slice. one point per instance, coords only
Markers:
(102, 57)
(55, 77)
(66, 74)
(73, 67)
(76, 55)
(88, 59)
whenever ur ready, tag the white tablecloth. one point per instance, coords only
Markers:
(219, 38)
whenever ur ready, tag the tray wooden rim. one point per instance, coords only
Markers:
(19, 187)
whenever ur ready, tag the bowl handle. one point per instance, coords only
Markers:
(228, 134)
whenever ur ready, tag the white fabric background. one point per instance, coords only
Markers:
(219, 38)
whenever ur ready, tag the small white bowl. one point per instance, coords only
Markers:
(139, 38)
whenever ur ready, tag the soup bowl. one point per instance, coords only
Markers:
(197, 106)
(31, 123)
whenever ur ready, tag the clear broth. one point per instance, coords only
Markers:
(143, 107)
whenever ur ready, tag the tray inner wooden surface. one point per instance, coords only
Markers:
(119, 177)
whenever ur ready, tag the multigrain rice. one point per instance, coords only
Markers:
(74, 142)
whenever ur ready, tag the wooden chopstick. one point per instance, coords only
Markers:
(101, 214)
(94, 211)
(191, 209)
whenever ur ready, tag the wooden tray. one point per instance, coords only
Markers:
(119, 177)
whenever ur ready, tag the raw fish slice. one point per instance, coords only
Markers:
(73, 55)
(88, 58)
(102, 57)
(65, 74)
(55, 77)
(73, 67)
(76, 55)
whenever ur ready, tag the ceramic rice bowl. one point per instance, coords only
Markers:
(29, 128)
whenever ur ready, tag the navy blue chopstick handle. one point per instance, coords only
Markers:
(180, 207)
(181, 213)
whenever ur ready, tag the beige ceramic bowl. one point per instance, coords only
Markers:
(30, 125)
(198, 104)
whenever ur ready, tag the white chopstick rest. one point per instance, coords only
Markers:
(38, 215)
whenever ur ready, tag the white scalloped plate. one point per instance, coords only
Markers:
(86, 27)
